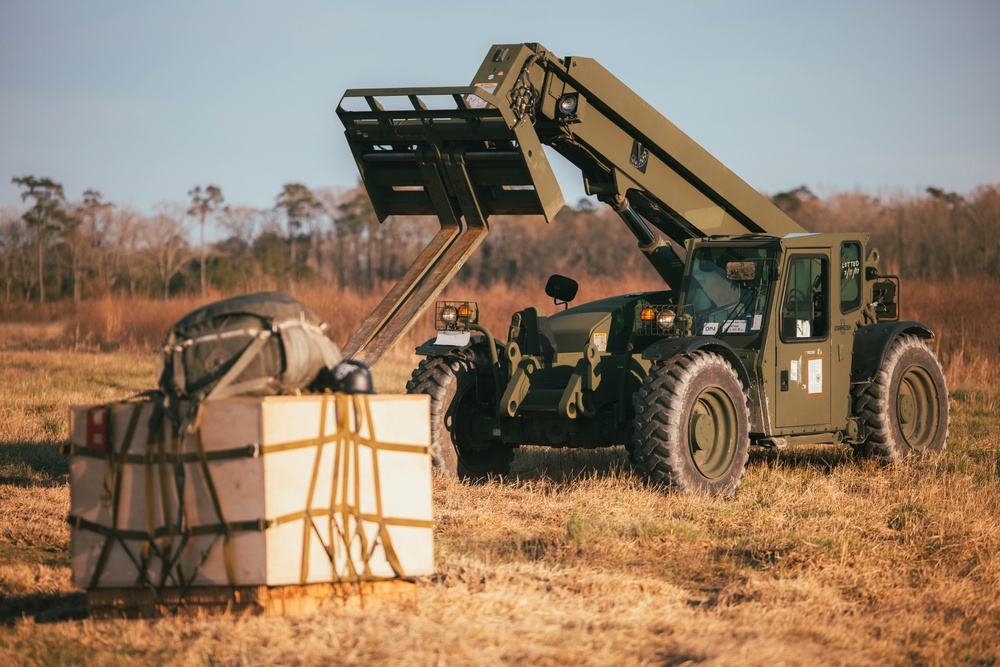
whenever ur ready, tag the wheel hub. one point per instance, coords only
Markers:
(906, 409)
(916, 413)
(712, 432)
(704, 432)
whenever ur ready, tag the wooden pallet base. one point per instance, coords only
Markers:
(105, 603)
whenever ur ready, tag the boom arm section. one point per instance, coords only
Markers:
(625, 147)
(464, 154)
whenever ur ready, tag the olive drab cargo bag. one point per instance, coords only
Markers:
(250, 345)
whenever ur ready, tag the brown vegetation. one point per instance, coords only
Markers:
(92, 249)
(109, 268)
(818, 560)
(942, 236)
(957, 311)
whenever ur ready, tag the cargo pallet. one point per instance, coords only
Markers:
(296, 600)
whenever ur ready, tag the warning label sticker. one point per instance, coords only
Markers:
(476, 102)
(814, 369)
(734, 326)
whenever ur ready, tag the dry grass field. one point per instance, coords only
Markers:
(819, 559)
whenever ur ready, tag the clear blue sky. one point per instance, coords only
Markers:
(144, 100)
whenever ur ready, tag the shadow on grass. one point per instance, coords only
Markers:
(824, 458)
(43, 607)
(33, 464)
(565, 466)
(669, 658)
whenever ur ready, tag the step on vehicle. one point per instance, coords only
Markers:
(764, 334)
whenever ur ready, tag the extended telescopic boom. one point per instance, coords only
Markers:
(465, 153)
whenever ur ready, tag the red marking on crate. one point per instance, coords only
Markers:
(97, 427)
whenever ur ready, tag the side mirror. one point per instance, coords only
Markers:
(885, 292)
(561, 289)
(741, 271)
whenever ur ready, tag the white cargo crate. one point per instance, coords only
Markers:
(273, 491)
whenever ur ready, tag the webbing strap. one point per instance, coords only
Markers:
(156, 458)
(227, 547)
(346, 456)
(311, 442)
(180, 377)
(206, 552)
(169, 553)
(194, 531)
(353, 435)
(225, 387)
(307, 525)
(387, 548)
(150, 520)
(161, 456)
(344, 517)
(347, 506)
(251, 450)
(117, 473)
(222, 388)
(338, 509)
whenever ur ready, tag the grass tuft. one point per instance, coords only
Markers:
(819, 559)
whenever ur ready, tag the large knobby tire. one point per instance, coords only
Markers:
(692, 425)
(457, 383)
(904, 410)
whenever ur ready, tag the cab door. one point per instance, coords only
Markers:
(803, 361)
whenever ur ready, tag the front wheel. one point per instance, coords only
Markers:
(692, 425)
(904, 410)
(462, 404)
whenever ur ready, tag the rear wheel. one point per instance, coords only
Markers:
(692, 425)
(904, 410)
(462, 397)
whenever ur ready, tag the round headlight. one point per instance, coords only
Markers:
(567, 104)
(647, 314)
(449, 315)
(465, 312)
(665, 319)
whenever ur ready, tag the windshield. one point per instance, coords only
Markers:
(721, 305)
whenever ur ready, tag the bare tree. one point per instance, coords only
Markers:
(100, 251)
(79, 236)
(322, 229)
(984, 211)
(244, 225)
(164, 238)
(126, 238)
(300, 206)
(356, 217)
(12, 246)
(204, 204)
(45, 217)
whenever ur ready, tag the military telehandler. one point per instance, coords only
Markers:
(763, 335)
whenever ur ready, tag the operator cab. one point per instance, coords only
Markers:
(728, 288)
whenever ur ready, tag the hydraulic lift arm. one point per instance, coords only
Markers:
(466, 153)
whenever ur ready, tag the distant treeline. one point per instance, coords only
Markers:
(58, 250)
(935, 237)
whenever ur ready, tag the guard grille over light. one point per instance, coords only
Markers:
(455, 315)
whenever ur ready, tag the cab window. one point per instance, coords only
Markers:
(805, 305)
(850, 276)
(723, 306)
